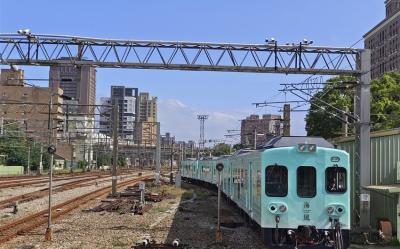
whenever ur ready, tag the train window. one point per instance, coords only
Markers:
(335, 179)
(306, 182)
(276, 183)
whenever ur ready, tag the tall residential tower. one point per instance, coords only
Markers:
(128, 104)
(77, 82)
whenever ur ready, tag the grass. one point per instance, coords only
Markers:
(201, 193)
(187, 195)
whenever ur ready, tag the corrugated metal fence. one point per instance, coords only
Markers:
(385, 154)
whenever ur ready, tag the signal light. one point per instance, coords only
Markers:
(302, 147)
(307, 147)
(312, 148)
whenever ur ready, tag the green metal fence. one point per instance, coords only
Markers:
(11, 170)
(385, 156)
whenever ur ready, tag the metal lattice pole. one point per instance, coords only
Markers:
(202, 119)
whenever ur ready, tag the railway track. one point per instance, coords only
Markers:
(43, 192)
(35, 177)
(30, 222)
(26, 182)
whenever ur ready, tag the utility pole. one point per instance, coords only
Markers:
(158, 154)
(72, 159)
(139, 138)
(345, 124)
(255, 139)
(28, 169)
(115, 150)
(363, 139)
(1, 125)
(172, 161)
(286, 120)
(84, 156)
(41, 160)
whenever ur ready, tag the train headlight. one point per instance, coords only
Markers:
(340, 209)
(330, 210)
(335, 210)
(277, 208)
(273, 208)
(282, 208)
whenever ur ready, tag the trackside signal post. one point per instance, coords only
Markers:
(218, 236)
(51, 150)
(46, 50)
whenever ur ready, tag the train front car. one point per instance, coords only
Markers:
(306, 195)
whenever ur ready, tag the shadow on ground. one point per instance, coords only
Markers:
(195, 220)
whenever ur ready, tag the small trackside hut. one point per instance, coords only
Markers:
(296, 189)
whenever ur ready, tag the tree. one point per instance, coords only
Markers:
(121, 161)
(238, 147)
(385, 105)
(14, 146)
(385, 102)
(221, 149)
(323, 120)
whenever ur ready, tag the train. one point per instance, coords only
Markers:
(295, 189)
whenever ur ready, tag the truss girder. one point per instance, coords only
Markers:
(46, 50)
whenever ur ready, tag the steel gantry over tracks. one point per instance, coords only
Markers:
(47, 50)
(196, 56)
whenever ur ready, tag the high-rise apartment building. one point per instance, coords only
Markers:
(77, 82)
(147, 107)
(128, 104)
(259, 129)
(384, 41)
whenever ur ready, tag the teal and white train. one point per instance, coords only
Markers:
(296, 189)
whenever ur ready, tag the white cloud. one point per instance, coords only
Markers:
(181, 121)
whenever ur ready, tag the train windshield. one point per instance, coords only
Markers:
(335, 178)
(276, 183)
(306, 182)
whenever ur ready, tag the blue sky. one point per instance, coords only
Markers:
(227, 97)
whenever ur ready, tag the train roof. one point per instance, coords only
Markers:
(282, 141)
(242, 151)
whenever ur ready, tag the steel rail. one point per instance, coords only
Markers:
(30, 222)
(44, 191)
(26, 183)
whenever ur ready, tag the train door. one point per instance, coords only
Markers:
(249, 187)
